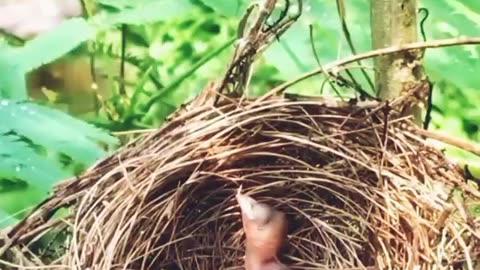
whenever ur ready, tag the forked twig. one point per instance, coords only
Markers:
(254, 38)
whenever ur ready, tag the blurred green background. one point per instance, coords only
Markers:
(65, 95)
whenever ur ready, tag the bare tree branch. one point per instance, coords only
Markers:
(332, 66)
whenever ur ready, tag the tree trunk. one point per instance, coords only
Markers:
(394, 22)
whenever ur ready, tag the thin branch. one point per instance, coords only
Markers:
(375, 53)
(346, 32)
(317, 58)
(459, 143)
(123, 54)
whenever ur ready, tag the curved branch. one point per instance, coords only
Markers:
(375, 53)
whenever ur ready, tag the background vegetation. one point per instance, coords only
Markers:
(147, 57)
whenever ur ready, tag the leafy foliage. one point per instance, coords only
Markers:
(233, 8)
(12, 84)
(54, 130)
(21, 162)
(143, 11)
(457, 65)
(39, 146)
(166, 60)
(15, 63)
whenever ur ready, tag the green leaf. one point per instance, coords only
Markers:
(229, 8)
(12, 82)
(16, 203)
(28, 174)
(451, 18)
(19, 161)
(148, 12)
(55, 130)
(170, 89)
(54, 44)
(26, 177)
(15, 63)
(6, 219)
(122, 4)
(32, 140)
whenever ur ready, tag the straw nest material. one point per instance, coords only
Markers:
(360, 189)
(360, 186)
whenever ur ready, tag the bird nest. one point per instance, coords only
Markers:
(359, 185)
(360, 188)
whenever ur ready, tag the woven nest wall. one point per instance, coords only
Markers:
(359, 189)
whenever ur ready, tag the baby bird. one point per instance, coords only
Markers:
(265, 230)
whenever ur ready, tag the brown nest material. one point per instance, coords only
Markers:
(360, 189)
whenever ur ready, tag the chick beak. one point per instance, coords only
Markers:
(246, 204)
(264, 229)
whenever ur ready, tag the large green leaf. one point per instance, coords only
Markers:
(451, 18)
(31, 139)
(16, 202)
(16, 62)
(122, 4)
(230, 8)
(18, 161)
(55, 43)
(143, 12)
(12, 81)
(6, 219)
(54, 130)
